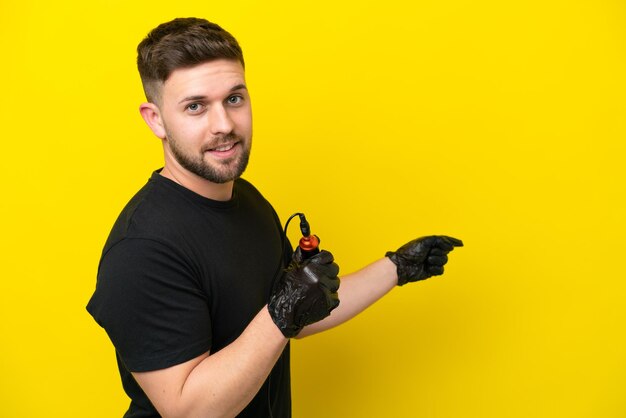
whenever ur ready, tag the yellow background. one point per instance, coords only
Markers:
(501, 123)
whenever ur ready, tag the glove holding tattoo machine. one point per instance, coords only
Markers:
(422, 258)
(306, 292)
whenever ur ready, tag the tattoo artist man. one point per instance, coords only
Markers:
(196, 288)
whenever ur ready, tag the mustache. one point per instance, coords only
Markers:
(222, 139)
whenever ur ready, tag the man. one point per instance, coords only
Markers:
(191, 286)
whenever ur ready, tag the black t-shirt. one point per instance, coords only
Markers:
(181, 275)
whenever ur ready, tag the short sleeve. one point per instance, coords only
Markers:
(151, 305)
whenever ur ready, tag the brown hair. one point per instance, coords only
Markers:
(180, 43)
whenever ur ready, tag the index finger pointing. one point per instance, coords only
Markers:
(455, 242)
(448, 243)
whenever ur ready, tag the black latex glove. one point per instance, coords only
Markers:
(422, 258)
(306, 293)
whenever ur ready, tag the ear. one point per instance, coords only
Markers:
(152, 115)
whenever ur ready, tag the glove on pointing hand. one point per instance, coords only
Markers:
(305, 294)
(422, 258)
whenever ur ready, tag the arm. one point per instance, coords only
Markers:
(417, 260)
(221, 384)
(358, 291)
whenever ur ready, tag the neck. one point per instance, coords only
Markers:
(214, 191)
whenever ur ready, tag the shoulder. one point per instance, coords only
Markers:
(153, 213)
(254, 204)
(244, 190)
(244, 186)
(151, 305)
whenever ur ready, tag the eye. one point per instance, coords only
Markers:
(234, 100)
(194, 107)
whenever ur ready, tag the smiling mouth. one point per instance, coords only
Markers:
(223, 148)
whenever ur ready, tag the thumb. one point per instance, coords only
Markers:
(297, 257)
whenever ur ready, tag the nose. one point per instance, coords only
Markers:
(220, 121)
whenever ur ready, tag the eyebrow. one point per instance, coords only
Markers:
(239, 87)
(199, 97)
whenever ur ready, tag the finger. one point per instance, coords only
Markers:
(330, 270)
(434, 270)
(453, 241)
(437, 251)
(333, 301)
(438, 260)
(323, 257)
(443, 244)
(297, 256)
(447, 243)
(330, 283)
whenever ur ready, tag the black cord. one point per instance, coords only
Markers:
(302, 219)
(283, 242)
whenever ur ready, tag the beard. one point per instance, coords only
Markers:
(218, 172)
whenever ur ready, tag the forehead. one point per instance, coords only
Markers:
(213, 78)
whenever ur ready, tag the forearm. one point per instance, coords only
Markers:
(358, 290)
(222, 384)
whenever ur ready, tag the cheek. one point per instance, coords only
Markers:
(187, 131)
(244, 121)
